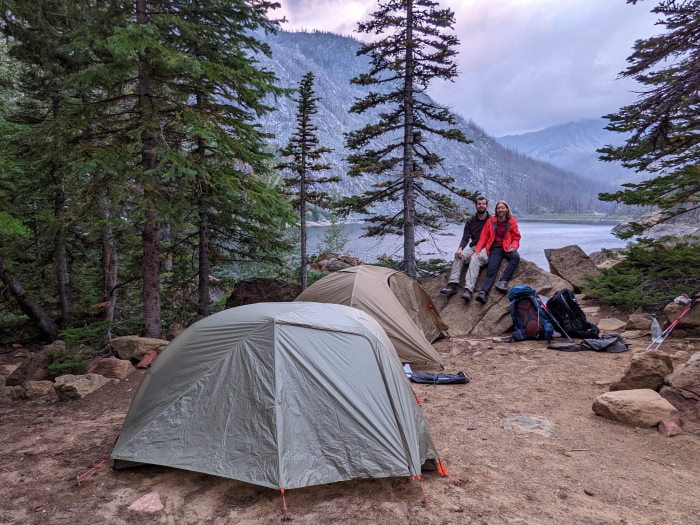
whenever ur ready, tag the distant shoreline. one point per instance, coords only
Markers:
(578, 219)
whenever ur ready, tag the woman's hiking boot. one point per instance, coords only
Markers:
(481, 297)
(502, 286)
(450, 289)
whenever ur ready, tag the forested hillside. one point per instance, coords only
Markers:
(531, 186)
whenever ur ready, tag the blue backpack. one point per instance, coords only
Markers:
(530, 319)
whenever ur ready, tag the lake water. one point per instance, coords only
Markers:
(536, 237)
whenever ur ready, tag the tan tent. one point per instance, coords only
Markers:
(399, 303)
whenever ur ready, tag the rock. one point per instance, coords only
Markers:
(688, 406)
(493, 317)
(529, 423)
(55, 346)
(111, 367)
(332, 262)
(12, 393)
(647, 369)
(262, 290)
(148, 503)
(8, 369)
(135, 347)
(669, 428)
(604, 257)
(634, 334)
(689, 324)
(27, 369)
(591, 310)
(571, 263)
(688, 377)
(611, 324)
(34, 389)
(638, 322)
(76, 387)
(642, 407)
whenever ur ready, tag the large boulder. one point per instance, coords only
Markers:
(36, 389)
(493, 317)
(683, 392)
(76, 387)
(639, 322)
(647, 369)
(571, 263)
(690, 322)
(111, 367)
(135, 347)
(643, 407)
(19, 372)
(332, 262)
(262, 290)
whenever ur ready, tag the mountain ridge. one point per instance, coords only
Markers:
(531, 186)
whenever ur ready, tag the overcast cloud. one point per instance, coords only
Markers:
(524, 64)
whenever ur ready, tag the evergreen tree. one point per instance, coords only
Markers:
(413, 48)
(664, 121)
(178, 91)
(304, 150)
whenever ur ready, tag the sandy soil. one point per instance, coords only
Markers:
(589, 471)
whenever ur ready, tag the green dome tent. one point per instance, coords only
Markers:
(282, 395)
(396, 301)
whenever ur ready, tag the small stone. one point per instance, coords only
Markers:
(148, 503)
(589, 492)
(35, 389)
(611, 324)
(669, 428)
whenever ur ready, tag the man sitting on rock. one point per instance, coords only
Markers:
(472, 231)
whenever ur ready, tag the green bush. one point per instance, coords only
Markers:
(70, 361)
(653, 273)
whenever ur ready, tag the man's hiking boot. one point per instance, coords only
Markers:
(450, 289)
(466, 295)
(481, 297)
(502, 286)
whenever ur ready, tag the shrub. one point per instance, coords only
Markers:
(653, 273)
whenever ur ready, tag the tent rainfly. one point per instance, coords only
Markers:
(397, 302)
(283, 395)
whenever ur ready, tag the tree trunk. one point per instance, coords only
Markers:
(61, 258)
(409, 205)
(35, 312)
(204, 301)
(151, 231)
(151, 275)
(303, 278)
(109, 268)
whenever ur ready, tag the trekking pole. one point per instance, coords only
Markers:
(553, 318)
(670, 327)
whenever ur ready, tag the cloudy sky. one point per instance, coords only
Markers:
(524, 64)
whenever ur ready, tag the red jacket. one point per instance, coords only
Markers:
(511, 241)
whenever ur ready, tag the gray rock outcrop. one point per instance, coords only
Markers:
(571, 263)
(493, 317)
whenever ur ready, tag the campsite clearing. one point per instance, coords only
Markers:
(589, 471)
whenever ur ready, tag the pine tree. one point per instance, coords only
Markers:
(304, 149)
(413, 49)
(664, 121)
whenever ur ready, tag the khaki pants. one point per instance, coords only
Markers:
(475, 264)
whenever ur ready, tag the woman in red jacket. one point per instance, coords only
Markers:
(501, 240)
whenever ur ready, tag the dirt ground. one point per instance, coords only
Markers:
(589, 471)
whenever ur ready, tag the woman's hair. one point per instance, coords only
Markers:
(509, 215)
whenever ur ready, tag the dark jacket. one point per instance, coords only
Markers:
(472, 229)
(511, 241)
